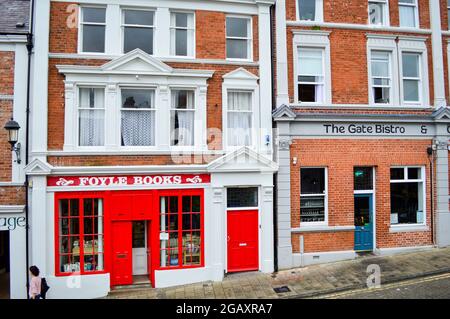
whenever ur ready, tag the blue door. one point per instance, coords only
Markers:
(363, 222)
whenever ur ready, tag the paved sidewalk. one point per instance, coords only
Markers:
(305, 282)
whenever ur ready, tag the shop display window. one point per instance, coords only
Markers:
(79, 235)
(181, 240)
(407, 195)
(313, 195)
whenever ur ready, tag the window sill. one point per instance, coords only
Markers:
(408, 228)
(322, 228)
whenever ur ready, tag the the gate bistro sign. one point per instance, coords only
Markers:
(371, 129)
(134, 180)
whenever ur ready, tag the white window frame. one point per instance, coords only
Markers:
(390, 77)
(312, 83)
(415, 5)
(253, 117)
(81, 23)
(422, 180)
(314, 40)
(419, 79)
(123, 25)
(78, 109)
(156, 110)
(319, 11)
(249, 37)
(385, 17)
(325, 194)
(197, 120)
(192, 41)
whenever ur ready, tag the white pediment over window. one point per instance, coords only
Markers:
(38, 167)
(137, 61)
(243, 159)
(240, 74)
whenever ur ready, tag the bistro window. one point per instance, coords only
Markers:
(181, 227)
(409, 14)
(80, 235)
(239, 118)
(182, 34)
(313, 193)
(138, 117)
(93, 25)
(378, 11)
(381, 77)
(411, 77)
(363, 178)
(91, 112)
(239, 38)
(407, 195)
(311, 77)
(182, 116)
(138, 30)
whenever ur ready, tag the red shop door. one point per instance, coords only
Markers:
(242, 240)
(122, 267)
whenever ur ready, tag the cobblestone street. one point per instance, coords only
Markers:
(306, 282)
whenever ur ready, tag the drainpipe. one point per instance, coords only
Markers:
(438, 60)
(30, 46)
(431, 160)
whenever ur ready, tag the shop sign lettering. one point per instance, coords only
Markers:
(371, 129)
(141, 180)
(11, 223)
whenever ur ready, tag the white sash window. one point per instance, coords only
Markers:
(381, 77)
(311, 75)
(378, 12)
(182, 116)
(409, 15)
(91, 116)
(138, 117)
(239, 115)
(93, 25)
(138, 30)
(182, 34)
(239, 38)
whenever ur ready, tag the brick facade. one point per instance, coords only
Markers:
(340, 156)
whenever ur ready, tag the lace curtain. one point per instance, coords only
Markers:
(138, 118)
(91, 117)
(239, 118)
(182, 117)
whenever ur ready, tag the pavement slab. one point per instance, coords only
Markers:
(304, 282)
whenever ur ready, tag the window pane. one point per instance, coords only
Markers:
(310, 93)
(138, 128)
(237, 49)
(407, 16)
(414, 173)
(312, 180)
(312, 209)
(411, 90)
(240, 101)
(181, 20)
(381, 95)
(363, 178)
(139, 17)
(141, 38)
(183, 99)
(95, 15)
(376, 13)
(405, 202)
(237, 27)
(397, 173)
(182, 128)
(410, 64)
(139, 234)
(186, 204)
(239, 129)
(242, 197)
(138, 98)
(196, 204)
(307, 9)
(310, 62)
(69, 263)
(93, 38)
(380, 64)
(181, 42)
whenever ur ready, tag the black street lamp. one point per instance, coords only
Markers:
(13, 136)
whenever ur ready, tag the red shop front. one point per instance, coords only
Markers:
(128, 233)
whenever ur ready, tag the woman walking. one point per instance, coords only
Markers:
(35, 283)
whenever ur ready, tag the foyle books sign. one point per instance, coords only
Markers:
(134, 180)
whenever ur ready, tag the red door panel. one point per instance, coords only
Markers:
(142, 206)
(122, 267)
(242, 240)
(121, 206)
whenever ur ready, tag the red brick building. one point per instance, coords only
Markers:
(152, 143)
(363, 128)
